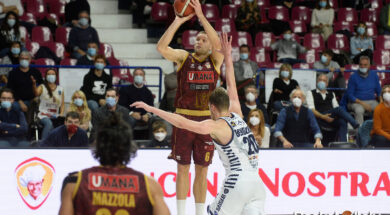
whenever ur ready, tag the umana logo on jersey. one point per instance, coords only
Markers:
(200, 77)
(113, 183)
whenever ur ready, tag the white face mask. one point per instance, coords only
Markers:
(250, 97)
(160, 136)
(386, 97)
(297, 102)
(254, 120)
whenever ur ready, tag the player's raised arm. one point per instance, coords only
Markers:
(226, 50)
(210, 31)
(203, 127)
(175, 55)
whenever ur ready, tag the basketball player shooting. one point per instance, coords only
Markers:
(197, 77)
(242, 191)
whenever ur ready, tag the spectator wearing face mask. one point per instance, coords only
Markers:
(363, 89)
(251, 102)
(67, 135)
(322, 19)
(13, 125)
(81, 35)
(159, 139)
(9, 32)
(137, 92)
(361, 44)
(72, 10)
(89, 58)
(79, 104)
(104, 112)
(282, 87)
(20, 81)
(381, 124)
(51, 101)
(95, 84)
(257, 125)
(296, 124)
(12, 57)
(288, 49)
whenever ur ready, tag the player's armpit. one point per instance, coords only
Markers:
(175, 55)
(66, 200)
(159, 207)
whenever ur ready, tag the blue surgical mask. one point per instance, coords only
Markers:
(6, 104)
(51, 78)
(361, 30)
(321, 85)
(287, 36)
(138, 79)
(324, 59)
(323, 4)
(78, 102)
(244, 56)
(11, 22)
(285, 73)
(83, 21)
(15, 50)
(363, 70)
(24, 63)
(110, 101)
(91, 51)
(99, 66)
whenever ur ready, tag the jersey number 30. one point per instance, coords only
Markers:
(105, 211)
(253, 148)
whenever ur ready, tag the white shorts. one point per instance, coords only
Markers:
(242, 193)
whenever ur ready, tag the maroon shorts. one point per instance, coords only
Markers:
(186, 143)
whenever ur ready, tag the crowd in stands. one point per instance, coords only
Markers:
(334, 37)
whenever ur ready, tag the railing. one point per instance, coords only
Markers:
(107, 67)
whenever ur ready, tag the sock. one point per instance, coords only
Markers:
(199, 208)
(181, 207)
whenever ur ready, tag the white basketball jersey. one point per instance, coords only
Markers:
(241, 153)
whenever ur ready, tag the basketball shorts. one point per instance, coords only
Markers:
(242, 193)
(186, 144)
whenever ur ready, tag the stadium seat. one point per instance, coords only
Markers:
(41, 35)
(343, 145)
(237, 2)
(241, 38)
(298, 27)
(69, 62)
(338, 42)
(313, 41)
(229, 11)
(58, 7)
(162, 12)
(23, 32)
(352, 67)
(225, 25)
(369, 15)
(260, 56)
(106, 50)
(311, 56)
(188, 39)
(376, 4)
(378, 67)
(36, 7)
(382, 42)
(371, 29)
(381, 57)
(274, 65)
(338, 26)
(347, 15)
(28, 17)
(57, 48)
(301, 13)
(384, 77)
(334, 4)
(32, 47)
(235, 53)
(44, 61)
(211, 12)
(54, 17)
(62, 35)
(264, 40)
(120, 76)
(278, 13)
(302, 66)
(263, 3)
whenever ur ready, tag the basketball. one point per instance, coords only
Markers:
(183, 8)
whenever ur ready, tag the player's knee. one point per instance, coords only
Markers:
(183, 169)
(201, 171)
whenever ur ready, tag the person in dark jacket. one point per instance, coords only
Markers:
(282, 87)
(81, 35)
(136, 92)
(95, 84)
(11, 58)
(67, 135)
(251, 102)
(72, 10)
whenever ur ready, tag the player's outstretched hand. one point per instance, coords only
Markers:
(184, 19)
(226, 44)
(197, 7)
(142, 105)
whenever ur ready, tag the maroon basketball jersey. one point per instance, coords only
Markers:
(105, 191)
(196, 81)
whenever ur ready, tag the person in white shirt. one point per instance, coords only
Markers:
(327, 110)
(322, 19)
